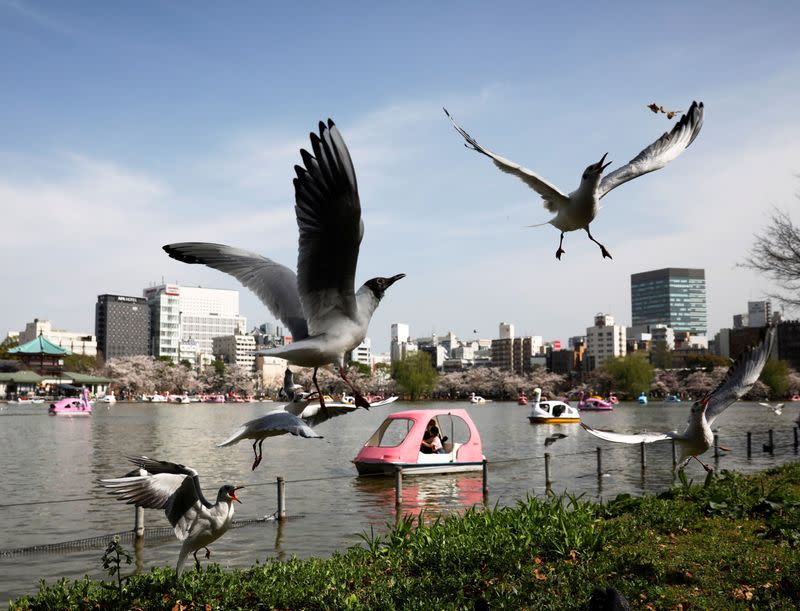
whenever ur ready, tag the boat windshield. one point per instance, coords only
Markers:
(391, 433)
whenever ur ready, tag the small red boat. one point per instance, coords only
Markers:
(522, 400)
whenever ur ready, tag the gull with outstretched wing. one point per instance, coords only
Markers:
(698, 436)
(326, 316)
(578, 209)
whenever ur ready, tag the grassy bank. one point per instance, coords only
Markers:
(731, 542)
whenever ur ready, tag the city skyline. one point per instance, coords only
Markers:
(129, 129)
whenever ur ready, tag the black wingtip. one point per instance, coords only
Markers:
(331, 124)
(445, 112)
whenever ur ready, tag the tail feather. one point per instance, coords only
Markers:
(237, 435)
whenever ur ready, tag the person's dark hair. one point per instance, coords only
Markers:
(434, 431)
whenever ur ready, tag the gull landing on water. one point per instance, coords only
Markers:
(578, 209)
(326, 316)
(698, 436)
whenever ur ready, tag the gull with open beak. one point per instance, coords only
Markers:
(578, 209)
(325, 314)
(175, 488)
(698, 436)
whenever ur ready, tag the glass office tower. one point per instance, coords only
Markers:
(672, 296)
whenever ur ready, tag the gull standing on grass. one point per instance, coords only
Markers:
(176, 489)
(326, 316)
(698, 437)
(578, 209)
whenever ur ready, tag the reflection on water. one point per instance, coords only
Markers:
(48, 458)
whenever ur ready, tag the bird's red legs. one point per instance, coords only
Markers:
(705, 466)
(360, 400)
(319, 392)
(560, 250)
(602, 248)
(196, 561)
(258, 455)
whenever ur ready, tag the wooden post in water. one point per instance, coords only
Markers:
(281, 499)
(599, 461)
(674, 454)
(795, 438)
(398, 486)
(644, 456)
(547, 481)
(716, 446)
(138, 524)
(771, 443)
(485, 480)
(749, 444)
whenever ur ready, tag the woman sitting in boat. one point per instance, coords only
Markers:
(431, 444)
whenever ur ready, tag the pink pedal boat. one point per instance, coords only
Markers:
(398, 443)
(72, 406)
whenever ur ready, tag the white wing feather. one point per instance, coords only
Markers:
(552, 196)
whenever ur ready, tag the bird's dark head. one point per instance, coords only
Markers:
(379, 285)
(228, 494)
(596, 169)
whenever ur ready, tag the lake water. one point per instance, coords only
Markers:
(49, 458)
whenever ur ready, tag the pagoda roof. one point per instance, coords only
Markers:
(40, 345)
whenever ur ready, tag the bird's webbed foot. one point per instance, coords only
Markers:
(560, 252)
(606, 254)
(360, 400)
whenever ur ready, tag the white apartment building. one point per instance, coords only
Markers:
(77, 343)
(506, 330)
(604, 339)
(663, 333)
(401, 343)
(185, 316)
(237, 350)
(362, 353)
(759, 313)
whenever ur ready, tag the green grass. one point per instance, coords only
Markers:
(730, 543)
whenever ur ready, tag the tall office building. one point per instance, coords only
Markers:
(186, 319)
(122, 326)
(672, 296)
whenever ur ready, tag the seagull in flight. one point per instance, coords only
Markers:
(577, 210)
(698, 436)
(274, 423)
(175, 488)
(325, 314)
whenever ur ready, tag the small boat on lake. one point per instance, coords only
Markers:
(72, 406)
(475, 399)
(551, 412)
(28, 400)
(398, 443)
(109, 398)
(522, 399)
(642, 399)
(672, 399)
(596, 404)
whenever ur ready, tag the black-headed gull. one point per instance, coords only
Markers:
(698, 436)
(175, 488)
(276, 422)
(326, 316)
(578, 209)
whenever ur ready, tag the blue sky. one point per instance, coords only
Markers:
(127, 126)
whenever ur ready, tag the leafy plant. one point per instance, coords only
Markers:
(112, 562)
